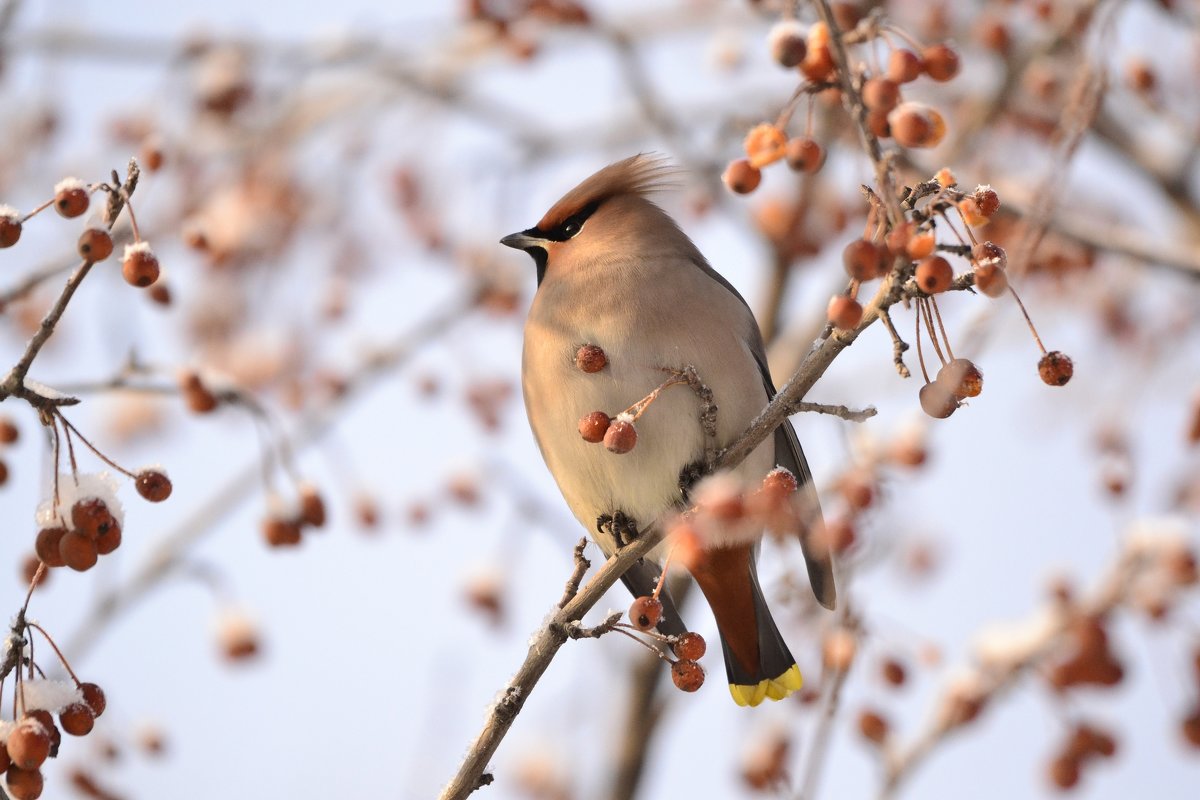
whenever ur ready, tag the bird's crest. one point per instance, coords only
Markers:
(641, 175)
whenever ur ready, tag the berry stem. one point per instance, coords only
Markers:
(37, 210)
(57, 652)
(917, 46)
(637, 409)
(621, 627)
(920, 352)
(970, 233)
(662, 578)
(929, 325)
(1028, 321)
(945, 338)
(72, 429)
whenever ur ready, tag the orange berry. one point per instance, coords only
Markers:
(77, 719)
(593, 426)
(621, 436)
(280, 532)
(873, 727)
(878, 124)
(844, 312)
(590, 358)
(1055, 368)
(10, 226)
(988, 200)
(690, 646)
(140, 267)
(920, 245)
(971, 214)
(937, 400)
(645, 612)
(991, 280)
(904, 66)
(1140, 76)
(962, 378)
(864, 260)
(95, 244)
(1189, 726)
(78, 551)
(916, 125)
(780, 483)
(47, 544)
(940, 62)
(765, 144)
(153, 485)
(312, 507)
(151, 155)
(28, 744)
(741, 177)
(898, 237)
(70, 198)
(687, 675)
(94, 697)
(1064, 772)
(934, 275)
(23, 784)
(804, 155)
(817, 65)
(9, 432)
(881, 94)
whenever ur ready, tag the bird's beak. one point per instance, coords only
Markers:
(522, 241)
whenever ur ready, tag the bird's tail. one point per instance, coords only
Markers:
(757, 660)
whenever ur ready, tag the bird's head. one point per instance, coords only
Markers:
(609, 210)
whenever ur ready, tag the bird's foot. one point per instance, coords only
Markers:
(622, 528)
(690, 475)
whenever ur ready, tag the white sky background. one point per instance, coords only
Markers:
(375, 677)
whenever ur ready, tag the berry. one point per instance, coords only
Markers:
(28, 744)
(765, 144)
(741, 177)
(988, 200)
(786, 41)
(937, 400)
(109, 540)
(940, 62)
(151, 155)
(934, 275)
(593, 427)
(140, 267)
(70, 198)
(971, 213)
(77, 719)
(904, 66)
(804, 155)
(916, 125)
(780, 482)
(47, 544)
(898, 238)
(94, 697)
(95, 244)
(645, 612)
(881, 94)
(991, 279)
(10, 227)
(1055, 368)
(962, 378)
(838, 649)
(690, 646)
(865, 260)
(197, 396)
(91, 517)
(687, 675)
(990, 253)
(9, 433)
(78, 551)
(1190, 727)
(873, 727)
(47, 722)
(920, 245)
(590, 358)
(844, 312)
(280, 532)
(620, 437)
(23, 784)
(312, 507)
(1064, 771)
(153, 485)
(893, 672)
(877, 123)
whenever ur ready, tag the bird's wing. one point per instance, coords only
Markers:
(789, 454)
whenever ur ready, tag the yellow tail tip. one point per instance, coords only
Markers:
(772, 688)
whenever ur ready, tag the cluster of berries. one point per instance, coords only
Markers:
(284, 528)
(34, 737)
(644, 614)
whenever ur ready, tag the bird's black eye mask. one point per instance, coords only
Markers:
(568, 228)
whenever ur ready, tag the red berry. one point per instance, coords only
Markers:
(741, 177)
(690, 646)
(590, 358)
(1064, 772)
(621, 436)
(70, 198)
(1055, 368)
(94, 697)
(962, 378)
(28, 744)
(873, 727)
(78, 551)
(23, 784)
(77, 719)
(920, 245)
(940, 62)
(987, 199)
(95, 244)
(881, 94)
(9, 432)
(109, 540)
(788, 47)
(312, 507)
(10, 227)
(804, 155)
(47, 544)
(893, 672)
(140, 267)
(865, 260)
(593, 426)
(687, 675)
(197, 396)
(934, 275)
(645, 612)
(153, 484)
(904, 66)
(91, 517)
(280, 532)
(844, 312)
(937, 400)
(916, 125)
(1190, 727)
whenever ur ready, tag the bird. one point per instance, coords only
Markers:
(616, 272)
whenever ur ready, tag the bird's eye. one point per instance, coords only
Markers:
(570, 228)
